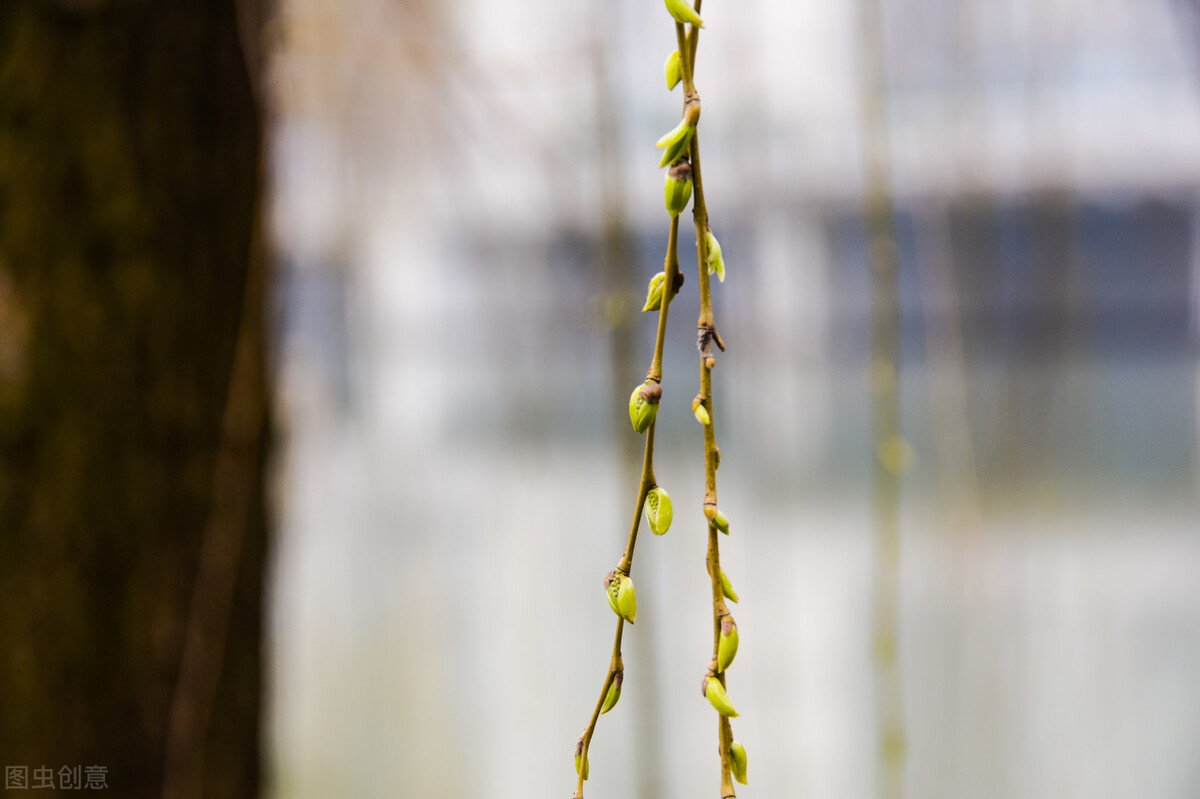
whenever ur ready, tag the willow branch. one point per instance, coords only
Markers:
(645, 483)
(707, 335)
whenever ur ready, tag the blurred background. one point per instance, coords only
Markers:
(467, 210)
(463, 210)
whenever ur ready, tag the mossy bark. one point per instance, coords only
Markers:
(130, 166)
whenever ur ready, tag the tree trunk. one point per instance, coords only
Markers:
(132, 400)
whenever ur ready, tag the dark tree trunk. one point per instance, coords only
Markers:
(132, 401)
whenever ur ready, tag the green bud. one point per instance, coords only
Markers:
(678, 188)
(578, 756)
(675, 142)
(659, 511)
(614, 692)
(737, 756)
(621, 597)
(673, 70)
(654, 292)
(715, 692)
(655, 289)
(727, 644)
(627, 601)
(727, 588)
(720, 521)
(716, 262)
(700, 412)
(643, 405)
(684, 12)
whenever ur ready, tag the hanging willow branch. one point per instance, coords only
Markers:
(681, 153)
(710, 260)
(643, 409)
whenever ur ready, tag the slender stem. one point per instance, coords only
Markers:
(693, 38)
(700, 214)
(686, 58)
(613, 667)
(699, 208)
(645, 483)
(707, 334)
(725, 736)
(671, 269)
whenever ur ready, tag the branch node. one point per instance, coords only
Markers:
(706, 336)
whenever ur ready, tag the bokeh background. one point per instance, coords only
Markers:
(467, 209)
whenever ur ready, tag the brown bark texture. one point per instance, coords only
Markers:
(131, 438)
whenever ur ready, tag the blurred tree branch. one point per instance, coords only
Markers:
(889, 447)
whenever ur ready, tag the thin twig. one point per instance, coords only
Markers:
(706, 324)
(645, 483)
